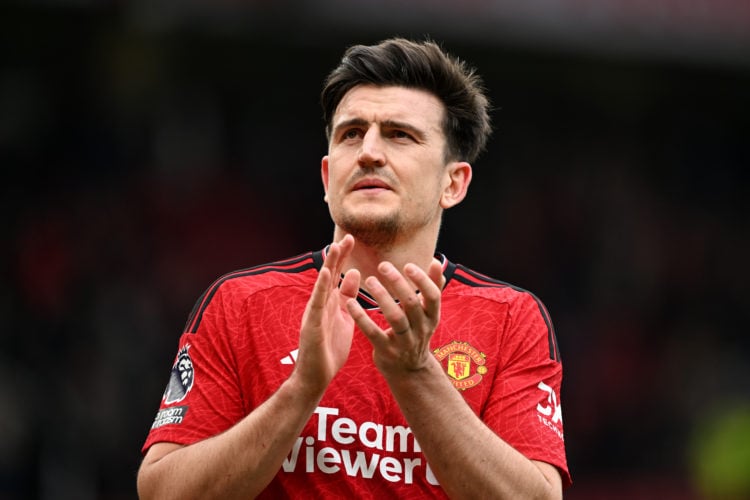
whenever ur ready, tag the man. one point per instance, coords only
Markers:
(371, 368)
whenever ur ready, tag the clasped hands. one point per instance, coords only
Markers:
(409, 301)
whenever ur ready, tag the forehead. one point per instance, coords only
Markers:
(392, 103)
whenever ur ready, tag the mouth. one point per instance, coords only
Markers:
(370, 184)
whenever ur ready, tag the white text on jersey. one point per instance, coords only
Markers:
(361, 462)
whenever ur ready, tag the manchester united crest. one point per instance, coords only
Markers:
(463, 363)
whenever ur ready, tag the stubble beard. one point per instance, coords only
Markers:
(376, 232)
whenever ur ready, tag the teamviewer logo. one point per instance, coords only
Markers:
(291, 359)
(552, 409)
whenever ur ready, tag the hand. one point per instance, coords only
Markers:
(410, 303)
(327, 328)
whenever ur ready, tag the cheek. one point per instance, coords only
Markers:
(428, 188)
(335, 183)
(336, 173)
(330, 176)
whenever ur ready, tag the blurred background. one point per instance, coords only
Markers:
(149, 146)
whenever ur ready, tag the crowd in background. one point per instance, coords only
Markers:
(138, 169)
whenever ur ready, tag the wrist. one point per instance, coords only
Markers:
(304, 388)
(429, 371)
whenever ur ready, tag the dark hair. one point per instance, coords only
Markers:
(421, 65)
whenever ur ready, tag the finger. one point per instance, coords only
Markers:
(428, 288)
(371, 330)
(392, 311)
(344, 248)
(406, 290)
(325, 282)
(346, 244)
(332, 258)
(397, 285)
(435, 272)
(350, 284)
(319, 294)
(337, 254)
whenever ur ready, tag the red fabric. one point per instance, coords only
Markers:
(492, 339)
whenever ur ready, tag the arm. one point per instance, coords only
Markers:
(469, 460)
(240, 462)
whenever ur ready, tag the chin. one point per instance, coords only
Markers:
(371, 229)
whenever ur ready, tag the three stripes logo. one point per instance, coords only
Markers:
(291, 359)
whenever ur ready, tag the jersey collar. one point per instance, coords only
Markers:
(365, 299)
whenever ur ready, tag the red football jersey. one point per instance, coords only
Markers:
(495, 342)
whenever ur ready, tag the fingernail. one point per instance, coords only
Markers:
(386, 268)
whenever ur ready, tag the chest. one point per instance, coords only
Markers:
(468, 344)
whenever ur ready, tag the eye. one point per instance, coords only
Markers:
(401, 135)
(351, 133)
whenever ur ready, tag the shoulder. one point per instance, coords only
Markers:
(527, 311)
(278, 273)
(236, 286)
(466, 281)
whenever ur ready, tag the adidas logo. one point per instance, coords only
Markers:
(291, 359)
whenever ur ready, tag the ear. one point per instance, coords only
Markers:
(456, 184)
(324, 176)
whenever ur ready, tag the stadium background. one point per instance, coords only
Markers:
(148, 148)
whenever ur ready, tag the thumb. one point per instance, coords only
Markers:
(350, 284)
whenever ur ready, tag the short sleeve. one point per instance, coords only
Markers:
(524, 408)
(203, 394)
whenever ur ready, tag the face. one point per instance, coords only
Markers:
(385, 175)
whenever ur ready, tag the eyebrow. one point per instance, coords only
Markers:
(386, 124)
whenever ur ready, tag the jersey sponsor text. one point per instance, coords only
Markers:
(552, 408)
(308, 454)
(167, 416)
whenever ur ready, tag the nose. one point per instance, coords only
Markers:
(371, 151)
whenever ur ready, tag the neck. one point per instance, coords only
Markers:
(365, 258)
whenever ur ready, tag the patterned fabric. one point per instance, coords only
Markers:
(495, 342)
